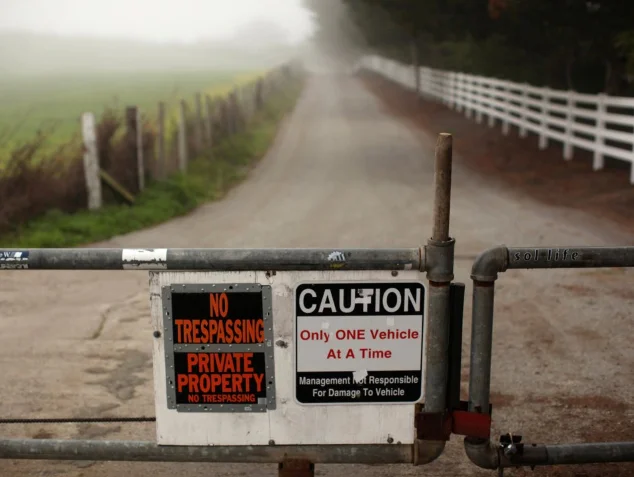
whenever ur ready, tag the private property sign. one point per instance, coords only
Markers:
(359, 343)
(217, 356)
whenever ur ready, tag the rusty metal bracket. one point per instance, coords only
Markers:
(438, 426)
(471, 424)
(433, 426)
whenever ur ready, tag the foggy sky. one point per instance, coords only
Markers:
(154, 20)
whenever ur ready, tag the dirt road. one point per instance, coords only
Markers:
(343, 173)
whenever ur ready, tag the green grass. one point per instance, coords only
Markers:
(206, 180)
(31, 103)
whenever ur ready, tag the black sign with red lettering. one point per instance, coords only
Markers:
(217, 318)
(221, 349)
(220, 378)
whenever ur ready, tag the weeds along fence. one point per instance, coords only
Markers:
(601, 124)
(120, 154)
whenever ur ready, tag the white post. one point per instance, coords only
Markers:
(91, 161)
(452, 90)
(507, 112)
(493, 90)
(459, 96)
(468, 81)
(478, 88)
(597, 160)
(543, 136)
(523, 107)
(570, 119)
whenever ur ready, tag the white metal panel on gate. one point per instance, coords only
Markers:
(290, 423)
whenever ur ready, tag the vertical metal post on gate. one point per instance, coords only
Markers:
(439, 256)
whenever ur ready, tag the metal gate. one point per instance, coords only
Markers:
(271, 286)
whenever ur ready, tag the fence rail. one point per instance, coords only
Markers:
(601, 124)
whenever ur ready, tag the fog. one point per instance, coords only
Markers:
(62, 36)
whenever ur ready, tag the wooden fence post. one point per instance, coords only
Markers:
(235, 107)
(199, 128)
(139, 154)
(91, 161)
(250, 100)
(134, 133)
(231, 110)
(209, 121)
(225, 126)
(242, 105)
(161, 162)
(232, 113)
(258, 94)
(182, 138)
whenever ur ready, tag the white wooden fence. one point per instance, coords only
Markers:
(599, 123)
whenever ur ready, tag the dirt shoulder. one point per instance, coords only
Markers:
(517, 162)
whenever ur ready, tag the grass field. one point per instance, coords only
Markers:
(204, 181)
(32, 103)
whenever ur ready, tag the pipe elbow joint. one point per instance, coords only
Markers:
(489, 263)
(425, 452)
(482, 452)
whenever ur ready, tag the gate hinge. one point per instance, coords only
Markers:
(438, 426)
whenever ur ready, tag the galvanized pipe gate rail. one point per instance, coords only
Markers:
(435, 418)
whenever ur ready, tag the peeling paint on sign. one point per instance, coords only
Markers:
(359, 376)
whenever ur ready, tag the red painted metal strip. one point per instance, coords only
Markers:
(471, 424)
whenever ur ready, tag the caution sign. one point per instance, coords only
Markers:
(219, 350)
(359, 343)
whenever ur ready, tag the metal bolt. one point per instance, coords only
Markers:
(156, 334)
(390, 440)
(511, 449)
(271, 442)
(394, 273)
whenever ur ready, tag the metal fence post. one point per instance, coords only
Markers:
(439, 254)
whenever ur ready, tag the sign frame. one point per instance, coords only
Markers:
(368, 282)
(266, 347)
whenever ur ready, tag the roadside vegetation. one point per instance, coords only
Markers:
(29, 187)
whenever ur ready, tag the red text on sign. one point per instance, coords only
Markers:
(368, 353)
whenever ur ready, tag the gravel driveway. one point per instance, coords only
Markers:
(343, 173)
